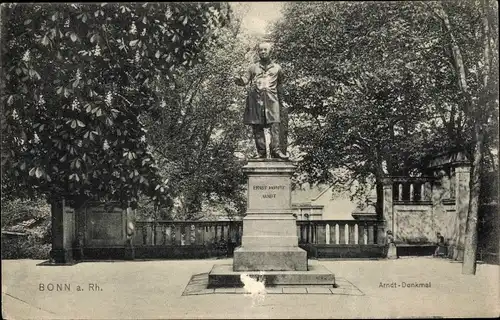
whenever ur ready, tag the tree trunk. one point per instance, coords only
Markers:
(470, 243)
(379, 209)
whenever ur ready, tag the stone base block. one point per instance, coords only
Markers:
(270, 259)
(62, 256)
(260, 232)
(222, 275)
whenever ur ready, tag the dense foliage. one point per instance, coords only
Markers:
(78, 78)
(198, 131)
(375, 86)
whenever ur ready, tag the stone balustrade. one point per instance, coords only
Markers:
(185, 233)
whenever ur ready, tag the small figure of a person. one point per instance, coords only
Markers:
(440, 246)
(129, 250)
(391, 246)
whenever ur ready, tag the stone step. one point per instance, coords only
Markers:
(223, 276)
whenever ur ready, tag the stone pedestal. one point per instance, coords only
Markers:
(269, 245)
(269, 241)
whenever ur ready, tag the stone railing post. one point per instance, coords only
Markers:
(388, 210)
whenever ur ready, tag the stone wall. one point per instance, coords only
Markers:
(414, 223)
(417, 208)
(104, 227)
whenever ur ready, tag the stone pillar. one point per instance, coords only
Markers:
(269, 241)
(388, 209)
(462, 197)
(63, 232)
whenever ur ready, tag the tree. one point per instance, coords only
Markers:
(76, 80)
(380, 87)
(198, 128)
(476, 74)
(360, 96)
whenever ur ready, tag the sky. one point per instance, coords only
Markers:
(258, 15)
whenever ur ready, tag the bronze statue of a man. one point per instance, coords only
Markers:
(264, 101)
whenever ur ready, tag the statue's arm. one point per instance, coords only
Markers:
(279, 86)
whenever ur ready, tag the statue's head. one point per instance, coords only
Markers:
(264, 50)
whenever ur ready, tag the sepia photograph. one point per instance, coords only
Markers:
(250, 160)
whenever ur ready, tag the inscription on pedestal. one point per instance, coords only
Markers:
(269, 193)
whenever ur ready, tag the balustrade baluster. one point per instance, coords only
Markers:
(145, 238)
(428, 191)
(150, 233)
(333, 234)
(351, 234)
(342, 233)
(166, 235)
(361, 234)
(370, 234)
(307, 233)
(216, 229)
(178, 235)
(337, 233)
(142, 234)
(321, 234)
(380, 234)
(161, 236)
(183, 234)
(412, 191)
(311, 233)
(171, 238)
(206, 234)
(186, 234)
(190, 234)
(199, 234)
(157, 234)
(327, 233)
(346, 233)
(356, 233)
(203, 231)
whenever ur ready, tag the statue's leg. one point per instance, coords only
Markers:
(274, 145)
(260, 139)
